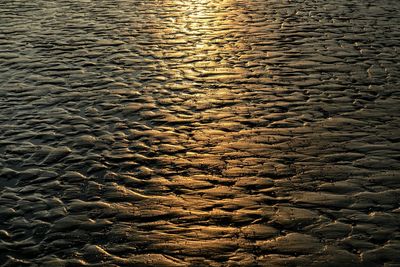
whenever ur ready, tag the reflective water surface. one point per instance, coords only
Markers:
(199, 133)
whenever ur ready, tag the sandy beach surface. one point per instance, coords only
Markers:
(199, 133)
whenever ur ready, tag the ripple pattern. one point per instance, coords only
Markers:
(199, 133)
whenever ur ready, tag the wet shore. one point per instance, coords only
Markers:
(199, 133)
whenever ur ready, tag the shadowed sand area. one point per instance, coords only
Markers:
(199, 133)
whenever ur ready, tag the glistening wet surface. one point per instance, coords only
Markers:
(199, 133)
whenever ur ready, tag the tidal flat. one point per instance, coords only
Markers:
(199, 133)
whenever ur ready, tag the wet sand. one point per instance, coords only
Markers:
(199, 133)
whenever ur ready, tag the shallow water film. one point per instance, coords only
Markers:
(199, 133)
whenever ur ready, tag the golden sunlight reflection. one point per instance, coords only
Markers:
(202, 139)
(211, 50)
